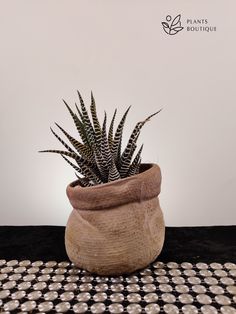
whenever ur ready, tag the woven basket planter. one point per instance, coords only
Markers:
(116, 227)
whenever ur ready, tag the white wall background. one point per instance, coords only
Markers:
(49, 49)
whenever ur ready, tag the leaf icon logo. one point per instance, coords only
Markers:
(172, 26)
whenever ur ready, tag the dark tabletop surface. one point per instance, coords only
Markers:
(192, 244)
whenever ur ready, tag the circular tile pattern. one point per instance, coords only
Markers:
(216, 289)
(202, 266)
(171, 309)
(100, 297)
(132, 279)
(165, 288)
(204, 299)
(222, 300)
(45, 306)
(134, 298)
(149, 288)
(147, 279)
(83, 297)
(28, 306)
(174, 272)
(35, 295)
(117, 297)
(98, 308)
(151, 297)
(168, 298)
(18, 295)
(230, 265)
(67, 296)
(15, 277)
(186, 265)
(50, 296)
(227, 281)
(116, 308)
(190, 272)
(187, 288)
(216, 266)
(189, 309)
(101, 287)
(81, 307)
(117, 287)
(228, 310)
(208, 309)
(134, 309)
(62, 307)
(199, 289)
(132, 288)
(231, 289)
(152, 308)
(185, 298)
(11, 305)
(182, 288)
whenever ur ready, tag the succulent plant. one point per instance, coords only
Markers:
(97, 155)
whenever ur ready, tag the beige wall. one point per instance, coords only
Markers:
(119, 50)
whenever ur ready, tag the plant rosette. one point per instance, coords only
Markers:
(116, 225)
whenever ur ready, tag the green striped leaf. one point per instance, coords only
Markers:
(102, 165)
(110, 133)
(137, 170)
(84, 150)
(124, 167)
(96, 124)
(105, 149)
(84, 182)
(61, 141)
(134, 137)
(118, 138)
(61, 152)
(87, 123)
(113, 173)
(79, 125)
(84, 170)
(133, 168)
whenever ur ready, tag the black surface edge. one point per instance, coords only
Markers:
(192, 244)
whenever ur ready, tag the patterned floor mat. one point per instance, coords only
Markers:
(171, 288)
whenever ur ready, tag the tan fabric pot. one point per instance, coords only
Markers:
(117, 227)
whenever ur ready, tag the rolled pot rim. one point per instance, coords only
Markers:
(141, 186)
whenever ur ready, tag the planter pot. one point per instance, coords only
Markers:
(116, 227)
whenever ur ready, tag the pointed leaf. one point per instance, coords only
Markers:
(110, 134)
(118, 138)
(113, 173)
(79, 125)
(84, 170)
(126, 161)
(62, 142)
(133, 167)
(102, 165)
(134, 137)
(81, 148)
(61, 152)
(87, 123)
(84, 182)
(105, 149)
(96, 124)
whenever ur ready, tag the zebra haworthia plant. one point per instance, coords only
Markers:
(97, 155)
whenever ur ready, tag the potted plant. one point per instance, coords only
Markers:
(116, 225)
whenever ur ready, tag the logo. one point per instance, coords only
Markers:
(172, 26)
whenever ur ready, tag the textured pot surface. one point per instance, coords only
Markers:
(117, 227)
